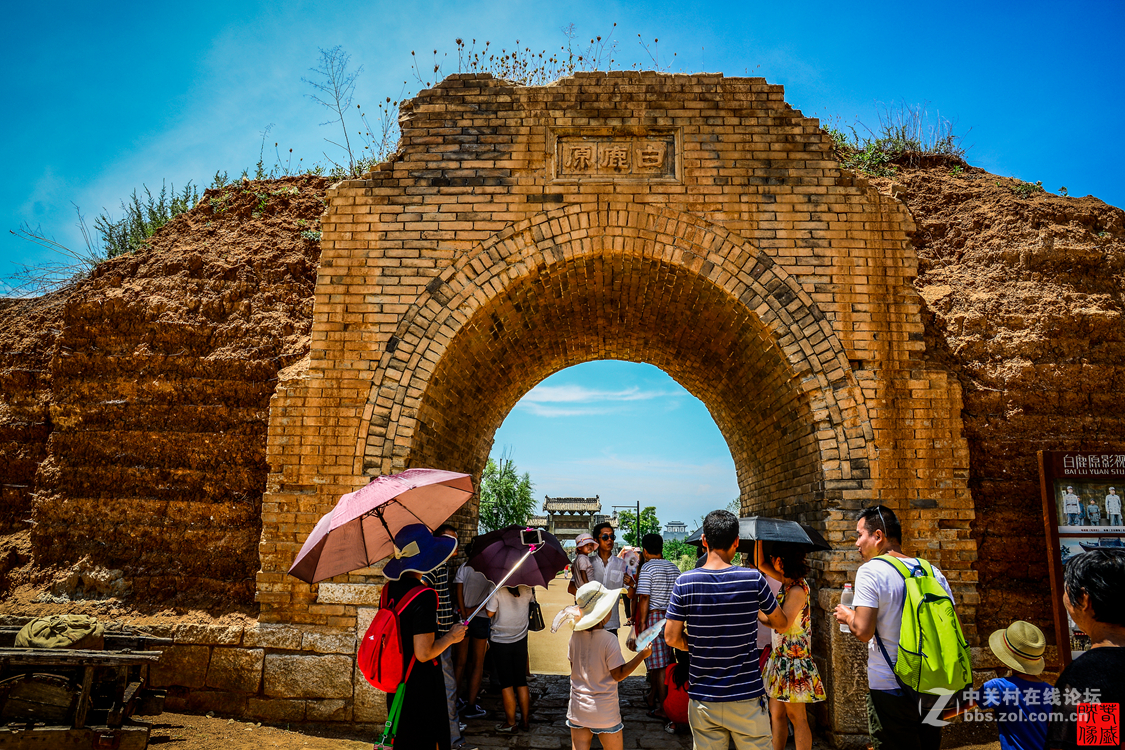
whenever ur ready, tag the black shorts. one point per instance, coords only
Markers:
(479, 627)
(509, 663)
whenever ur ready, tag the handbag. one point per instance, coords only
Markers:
(535, 617)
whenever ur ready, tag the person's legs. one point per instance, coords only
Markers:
(802, 734)
(580, 738)
(460, 659)
(779, 724)
(451, 697)
(707, 731)
(895, 723)
(524, 697)
(508, 696)
(748, 723)
(660, 688)
(615, 741)
(477, 647)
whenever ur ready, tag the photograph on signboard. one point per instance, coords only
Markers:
(1089, 507)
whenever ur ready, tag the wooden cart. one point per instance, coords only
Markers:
(58, 699)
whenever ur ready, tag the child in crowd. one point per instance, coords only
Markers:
(596, 666)
(1023, 694)
(790, 676)
(584, 546)
(676, 697)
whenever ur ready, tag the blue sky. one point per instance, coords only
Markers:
(101, 99)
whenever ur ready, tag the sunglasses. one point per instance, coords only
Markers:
(609, 536)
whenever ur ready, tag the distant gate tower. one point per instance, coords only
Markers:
(567, 517)
(675, 531)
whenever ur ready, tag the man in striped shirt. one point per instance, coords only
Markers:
(714, 614)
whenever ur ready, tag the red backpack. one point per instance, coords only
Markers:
(381, 656)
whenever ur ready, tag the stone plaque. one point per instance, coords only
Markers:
(603, 158)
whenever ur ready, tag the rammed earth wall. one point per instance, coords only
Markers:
(697, 223)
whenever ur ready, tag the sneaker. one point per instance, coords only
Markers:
(506, 729)
(461, 703)
(670, 727)
(474, 712)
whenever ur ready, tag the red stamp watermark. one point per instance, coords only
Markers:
(1099, 724)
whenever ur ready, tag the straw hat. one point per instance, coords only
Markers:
(595, 601)
(418, 550)
(1020, 646)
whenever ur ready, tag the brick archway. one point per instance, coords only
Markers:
(698, 223)
(580, 283)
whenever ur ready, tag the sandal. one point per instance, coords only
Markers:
(506, 729)
(656, 713)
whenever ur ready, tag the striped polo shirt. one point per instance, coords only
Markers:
(720, 611)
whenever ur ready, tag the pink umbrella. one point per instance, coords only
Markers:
(360, 530)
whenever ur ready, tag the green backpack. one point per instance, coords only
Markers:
(933, 657)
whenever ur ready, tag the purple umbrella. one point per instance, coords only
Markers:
(502, 556)
(360, 530)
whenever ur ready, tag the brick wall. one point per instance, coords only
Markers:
(697, 223)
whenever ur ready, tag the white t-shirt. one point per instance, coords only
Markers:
(879, 584)
(1113, 504)
(655, 581)
(612, 576)
(474, 586)
(593, 691)
(509, 621)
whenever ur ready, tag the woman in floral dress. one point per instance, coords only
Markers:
(790, 676)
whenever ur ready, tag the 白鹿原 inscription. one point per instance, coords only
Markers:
(612, 157)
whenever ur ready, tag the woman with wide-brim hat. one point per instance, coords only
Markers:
(596, 666)
(416, 552)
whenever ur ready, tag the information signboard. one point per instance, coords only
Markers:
(1082, 494)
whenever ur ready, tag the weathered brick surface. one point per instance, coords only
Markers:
(490, 253)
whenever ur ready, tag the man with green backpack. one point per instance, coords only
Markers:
(916, 650)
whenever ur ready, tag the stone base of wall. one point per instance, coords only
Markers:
(264, 672)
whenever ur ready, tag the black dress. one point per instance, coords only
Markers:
(425, 689)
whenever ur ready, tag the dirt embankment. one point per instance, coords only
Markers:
(1023, 302)
(136, 408)
(134, 405)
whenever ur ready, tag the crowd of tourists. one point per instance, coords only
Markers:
(733, 664)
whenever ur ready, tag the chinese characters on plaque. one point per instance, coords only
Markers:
(610, 158)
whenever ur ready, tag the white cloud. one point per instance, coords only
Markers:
(580, 401)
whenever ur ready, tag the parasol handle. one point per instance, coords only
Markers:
(515, 567)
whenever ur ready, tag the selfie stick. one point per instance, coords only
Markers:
(515, 567)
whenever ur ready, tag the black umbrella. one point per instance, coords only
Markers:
(763, 529)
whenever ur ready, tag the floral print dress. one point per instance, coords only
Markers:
(790, 674)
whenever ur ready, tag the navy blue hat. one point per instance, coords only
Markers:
(418, 550)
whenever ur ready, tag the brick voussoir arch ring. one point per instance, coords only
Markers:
(752, 281)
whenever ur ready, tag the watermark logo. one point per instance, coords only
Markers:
(1099, 724)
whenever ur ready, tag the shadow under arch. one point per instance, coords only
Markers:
(586, 282)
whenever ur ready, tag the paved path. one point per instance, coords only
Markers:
(550, 695)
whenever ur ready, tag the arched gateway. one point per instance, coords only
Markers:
(697, 223)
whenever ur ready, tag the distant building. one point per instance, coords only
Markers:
(567, 517)
(675, 531)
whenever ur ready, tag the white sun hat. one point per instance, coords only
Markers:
(595, 601)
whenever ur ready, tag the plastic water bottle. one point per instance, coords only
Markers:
(846, 600)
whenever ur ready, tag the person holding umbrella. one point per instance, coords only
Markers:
(417, 552)
(516, 558)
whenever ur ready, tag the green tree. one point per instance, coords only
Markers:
(627, 524)
(505, 496)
